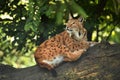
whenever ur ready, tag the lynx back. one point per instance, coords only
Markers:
(68, 45)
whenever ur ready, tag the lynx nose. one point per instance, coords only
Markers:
(67, 28)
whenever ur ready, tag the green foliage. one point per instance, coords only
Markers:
(29, 22)
(10, 55)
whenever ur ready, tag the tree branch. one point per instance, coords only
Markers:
(100, 62)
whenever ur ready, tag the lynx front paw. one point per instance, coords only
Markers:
(79, 51)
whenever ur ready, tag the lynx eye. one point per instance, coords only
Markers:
(70, 30)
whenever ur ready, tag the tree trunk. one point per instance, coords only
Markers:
(100, 62)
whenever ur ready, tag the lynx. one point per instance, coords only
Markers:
(68, 45)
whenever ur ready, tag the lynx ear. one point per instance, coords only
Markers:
(70, 16)
(81, 19)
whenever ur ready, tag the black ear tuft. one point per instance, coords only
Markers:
(70, 16)
(81, 19)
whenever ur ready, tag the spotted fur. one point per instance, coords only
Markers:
(68, 45)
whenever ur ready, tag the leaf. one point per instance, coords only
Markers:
(27, 26)
(59, 14)
(78, 9)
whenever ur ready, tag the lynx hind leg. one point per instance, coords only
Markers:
(50, 64)
(45, 65)
(49, 67)
(73, 56)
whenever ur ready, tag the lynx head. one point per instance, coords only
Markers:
(75, 28)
